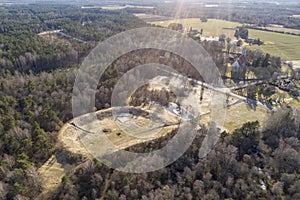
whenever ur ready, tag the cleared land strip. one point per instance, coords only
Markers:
(59, 32)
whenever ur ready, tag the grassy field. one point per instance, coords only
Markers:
(236, 116)
(213, 27)
(283, 45)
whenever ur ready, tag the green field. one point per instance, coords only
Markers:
(277, 44)
(212, 28)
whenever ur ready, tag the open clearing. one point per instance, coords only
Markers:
(151, 18)
(57, 166)
(128, 130)
(239, 114)
(93, 135)
(277, 44)
(212, 28)
(236, 114)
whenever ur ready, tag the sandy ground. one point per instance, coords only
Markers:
(99, 142)
(124, 134)
(51, 172)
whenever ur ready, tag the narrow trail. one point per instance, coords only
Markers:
(105, 186)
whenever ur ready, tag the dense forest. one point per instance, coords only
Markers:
(24, 50)
(36, 83)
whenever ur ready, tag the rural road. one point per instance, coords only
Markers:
(226, 91)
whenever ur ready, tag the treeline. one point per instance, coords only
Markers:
(270, 30)
(252, 162)
(249, 13)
